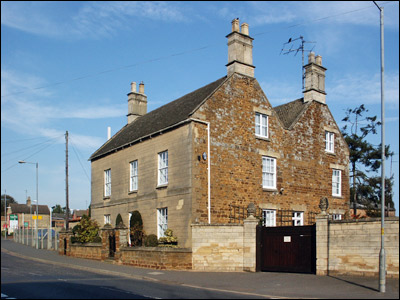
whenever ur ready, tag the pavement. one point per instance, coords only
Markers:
(266, 284)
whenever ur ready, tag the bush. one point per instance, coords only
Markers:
(118, 220)
(169, 240)
(151, 241)
(136, 229)
(86, 231)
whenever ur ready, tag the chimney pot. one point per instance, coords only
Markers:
(235, 25)
(141, 88)
(318, 60)
(133, 87)
(245, 28)
(311, 57)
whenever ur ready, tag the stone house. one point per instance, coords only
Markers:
(223, 146)
(25, 215)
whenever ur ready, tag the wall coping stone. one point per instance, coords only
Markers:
(86, 244)
(157, 249)
(216, 225)
(364, 220)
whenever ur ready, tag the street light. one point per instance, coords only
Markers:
(37, 198)
(382, 255)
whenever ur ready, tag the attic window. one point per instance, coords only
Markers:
(329, 142)
(261, 125)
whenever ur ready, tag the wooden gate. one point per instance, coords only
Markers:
(286, 249)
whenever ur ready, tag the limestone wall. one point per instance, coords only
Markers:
(353, 247)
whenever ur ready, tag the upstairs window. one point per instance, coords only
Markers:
(268, 172)
(329, 142)
(336, 183)
(261, 125)
(107, 183)
(133, 181)
(163, 168)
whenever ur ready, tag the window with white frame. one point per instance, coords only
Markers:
(162, 221)
(261, 125)
(268, 172)
(329, 142)
(107, 219)
(107, 183)
(297, 218)
(133, 180)
(163, 168)
(336, 217)
(269, 217)
(336, 183)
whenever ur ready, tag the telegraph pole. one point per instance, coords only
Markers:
(66, 182)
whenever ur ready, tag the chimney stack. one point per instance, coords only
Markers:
(314, 79)
(108, 133)
(137, 102)
(240, 50)
(28, 201)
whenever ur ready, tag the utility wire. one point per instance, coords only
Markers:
(175, 54)
(73, 148)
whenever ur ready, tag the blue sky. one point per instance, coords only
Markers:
(69, 65)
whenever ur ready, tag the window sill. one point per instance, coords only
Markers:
(133, 192)
(330, 153)
(269, 189)
(263, 138)
(337, 196)
(106, 197)
(162, 186)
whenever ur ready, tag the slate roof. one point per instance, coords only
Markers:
(25, 209)
(159, 119)
(290, 112)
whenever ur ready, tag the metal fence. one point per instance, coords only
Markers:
(28, 237)
(284, 217)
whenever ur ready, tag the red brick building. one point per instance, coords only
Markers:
(207, 155)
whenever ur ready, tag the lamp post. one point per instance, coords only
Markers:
(382, 255)
(37, 198)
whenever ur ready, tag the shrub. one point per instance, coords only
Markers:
(169, 240)
(151, 241)
(86, 231)
(118, 220)
(136, 228)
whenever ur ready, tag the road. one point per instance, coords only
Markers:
(27, 279)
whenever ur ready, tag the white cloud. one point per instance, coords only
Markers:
(85, 19)
(34, 112)
(364, 88)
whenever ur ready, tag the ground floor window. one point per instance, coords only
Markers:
(297, 218)
(162, 216)
(269, 217)
(107, 219)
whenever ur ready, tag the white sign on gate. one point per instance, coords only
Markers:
(287, 239)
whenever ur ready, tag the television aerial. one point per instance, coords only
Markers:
(300, 48)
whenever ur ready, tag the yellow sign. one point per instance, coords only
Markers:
(34, 217)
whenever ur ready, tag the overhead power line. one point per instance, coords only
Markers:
(176, 54)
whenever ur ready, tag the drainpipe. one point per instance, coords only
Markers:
(208, 167)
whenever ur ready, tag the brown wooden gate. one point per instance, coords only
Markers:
(286, 249)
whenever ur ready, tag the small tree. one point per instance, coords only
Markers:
(86, 231)
(169, 240)
(136, 228)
